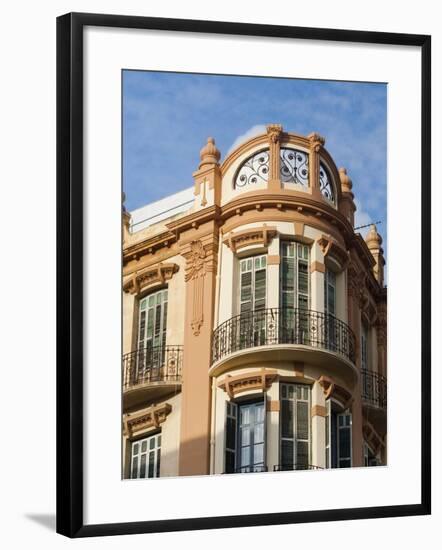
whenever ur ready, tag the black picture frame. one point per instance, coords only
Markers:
(70, 273)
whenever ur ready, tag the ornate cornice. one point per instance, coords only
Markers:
(259, 380)
(140, 421)
(149, 276)
(258, 236)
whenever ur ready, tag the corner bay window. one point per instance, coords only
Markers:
(146, 456)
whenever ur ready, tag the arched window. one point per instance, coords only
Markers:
(254, 170)
(294, 166)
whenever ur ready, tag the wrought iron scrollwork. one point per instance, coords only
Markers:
(294, 166)
(152, 364)
(325, 184)
(374, 388)
(283, 326)
(254, 170)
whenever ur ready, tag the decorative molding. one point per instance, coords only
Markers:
(299, 229)
(261, 236)
(317, 142)
(273, 406)
(318, 410)
(259, 380)
(372, 437)
(317, 266)
(299, 369)
(331, 248)
(150, 276)
(274, 132)
(140, 421)
(200, 259)
(331, 389)
(274, 259)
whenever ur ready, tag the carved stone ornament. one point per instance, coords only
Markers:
(259, 380)
(316, 141)
(331, 389)
(259, 236)
(274, 132)
(372, 437)
(331, 248)
(149, 276)
(140, 421)
(199, 262)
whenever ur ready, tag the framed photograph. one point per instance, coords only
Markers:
(243, 284)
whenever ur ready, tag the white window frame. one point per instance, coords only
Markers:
(253, 260)
(305, 390)
(140, 454)
(300, 250)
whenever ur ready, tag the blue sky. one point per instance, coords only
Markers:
(167, 118)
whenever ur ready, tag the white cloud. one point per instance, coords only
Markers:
(250, 133)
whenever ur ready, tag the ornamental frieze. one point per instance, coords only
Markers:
(259, 236)
(259, 380)
(152, 417)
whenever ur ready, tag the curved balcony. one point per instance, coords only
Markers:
(374, 399)
(277, 333)
(151, 373)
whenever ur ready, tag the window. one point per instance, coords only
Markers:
(295, 434)
(245, 437)
(294, 166)
(325, 183)
(152, 333)
(295, 280)
(253, 279)
(338, 437)
(146, 456)
(295, 292)
(330, 308)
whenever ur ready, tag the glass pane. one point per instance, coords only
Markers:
(135, 468)
(143, 466)
(143, 304)
(302, 453)
(144, 446)
(286, 418)
(151, 464)
(259, 413)
(302, 420)
(158, 463)
(135, 449)
(245, 436)
(245, 415)
(259, 433)
(258, 454)
(245, 456)
(230, 435)
(230, 462)
(152, 443)
(344, 443)
(286, 452)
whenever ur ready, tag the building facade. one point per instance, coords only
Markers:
(254, 319)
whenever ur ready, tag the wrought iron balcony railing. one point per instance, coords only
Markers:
(283, 326)
(291, 467)
(152, 364)
(374, 388)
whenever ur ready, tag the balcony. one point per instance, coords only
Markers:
(151, 373)
(277, 333)
(374, 389)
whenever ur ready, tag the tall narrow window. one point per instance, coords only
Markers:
(295, 427)
(245, 437)
(295, 292)
(152, 327)
(146, 457)
(330, 308)
(338, 437)
(253, 278)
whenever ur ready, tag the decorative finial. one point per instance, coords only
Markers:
(316, 141)
(373, 239)
(346, 183)
(209, 154)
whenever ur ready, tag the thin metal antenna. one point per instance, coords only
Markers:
(368, 225)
